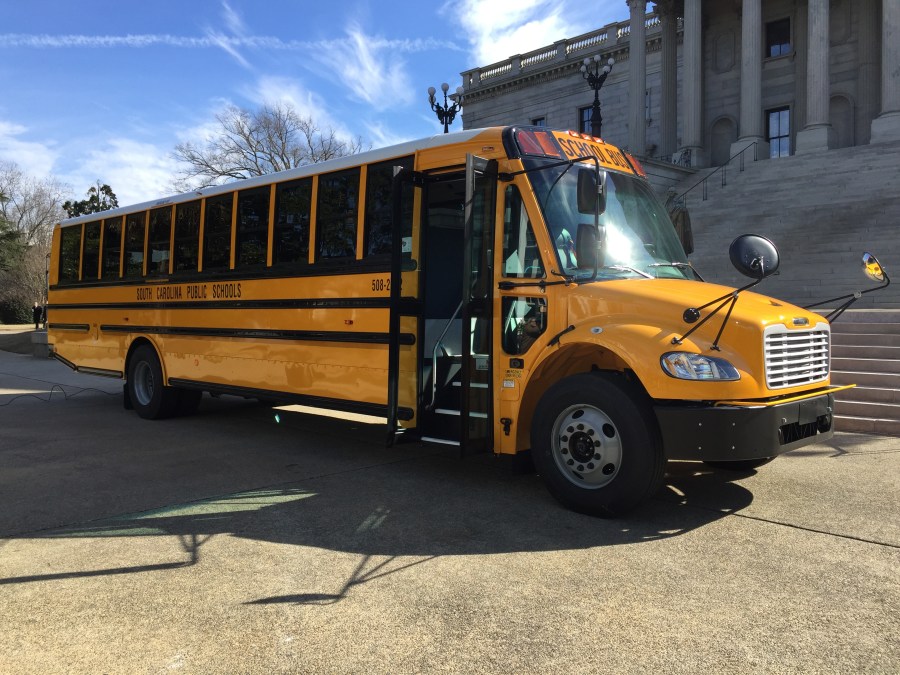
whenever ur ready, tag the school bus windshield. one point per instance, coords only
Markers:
(640, 240)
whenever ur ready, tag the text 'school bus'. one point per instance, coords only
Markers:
(506, 290)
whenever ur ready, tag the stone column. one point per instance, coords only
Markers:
(668, 123)
(751, 80)
(867, 76)
(886, 127)
(692, 78)
(637, 77)
(818, 134)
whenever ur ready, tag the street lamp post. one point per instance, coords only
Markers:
(596, 76)
(447, 112)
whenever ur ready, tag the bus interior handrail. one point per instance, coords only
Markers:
(434, 355)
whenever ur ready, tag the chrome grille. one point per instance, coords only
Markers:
(796, 357)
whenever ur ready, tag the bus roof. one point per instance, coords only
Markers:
(347, 161)
(567, 145)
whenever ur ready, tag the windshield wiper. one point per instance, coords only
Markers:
(626, 268)
(678, 265)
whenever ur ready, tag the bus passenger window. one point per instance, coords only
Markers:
(160, 231)
(69, 253)
(252, 236)
(291, 236)
(90, 256)
(379, 206)
(336, 215)
(521, 257)
(187, 237)
(134, 244)
(217, 233)
(112, 247)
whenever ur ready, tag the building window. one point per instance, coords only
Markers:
(584, 120)
(778, 131)
(539, 122)
(778, 38)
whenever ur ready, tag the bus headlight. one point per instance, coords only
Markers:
(684, 366)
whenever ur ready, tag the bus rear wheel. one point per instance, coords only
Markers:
(595, 444)
(150, 398)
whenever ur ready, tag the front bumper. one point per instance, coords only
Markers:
(731, 432)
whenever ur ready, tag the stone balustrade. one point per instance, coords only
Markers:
(572, 49)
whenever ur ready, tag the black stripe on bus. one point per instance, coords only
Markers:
(258, 334)
(288, 303)
(320, 269)
(69, 326)
(285, 398)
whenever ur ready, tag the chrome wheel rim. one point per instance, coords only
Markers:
(143, 383)
(586, 447)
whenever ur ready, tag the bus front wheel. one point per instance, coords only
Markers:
(595, 444)
(149, 397)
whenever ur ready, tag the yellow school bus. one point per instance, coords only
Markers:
(507, 290)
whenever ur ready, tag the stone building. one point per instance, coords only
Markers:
(711, 78)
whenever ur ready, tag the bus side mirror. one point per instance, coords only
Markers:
(872, 267)
(591, 196)
(587, 245)
(754, 256)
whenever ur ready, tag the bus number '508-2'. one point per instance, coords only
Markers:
(381, 284)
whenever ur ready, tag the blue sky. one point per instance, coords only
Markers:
(103, 89)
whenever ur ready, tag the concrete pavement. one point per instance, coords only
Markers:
(245, 540)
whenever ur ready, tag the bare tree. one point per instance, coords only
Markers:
(31, 206)
(253, 143)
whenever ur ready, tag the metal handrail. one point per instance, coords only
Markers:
(724, 169)
(434, 357)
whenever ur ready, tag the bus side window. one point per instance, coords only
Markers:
(90, 256)
(187, 237)
(293, 201)
(69, 253)
(134, 244)
(217, 232)
(112, 247)
(252, 236)
(524, 320)
(521, 257)
(158, 245)
(336, 214)
(379, 206)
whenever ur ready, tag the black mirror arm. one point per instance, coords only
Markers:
(691, 314)
(850, 298)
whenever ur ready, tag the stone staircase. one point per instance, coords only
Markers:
(823, 211)
(865, 351)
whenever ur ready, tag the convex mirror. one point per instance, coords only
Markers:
(872, 267)
(754, 256)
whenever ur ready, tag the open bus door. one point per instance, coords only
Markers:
(476, 381)
(405, 312)
(455, 320)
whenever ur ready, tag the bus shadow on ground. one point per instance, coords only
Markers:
(403, 513)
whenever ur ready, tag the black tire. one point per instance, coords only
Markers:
(739, 465)
(595, 444)
(150, 398)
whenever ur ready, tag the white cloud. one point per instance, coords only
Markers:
(136, 172)
(33, 158)
(498, 29)
(370, 67)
